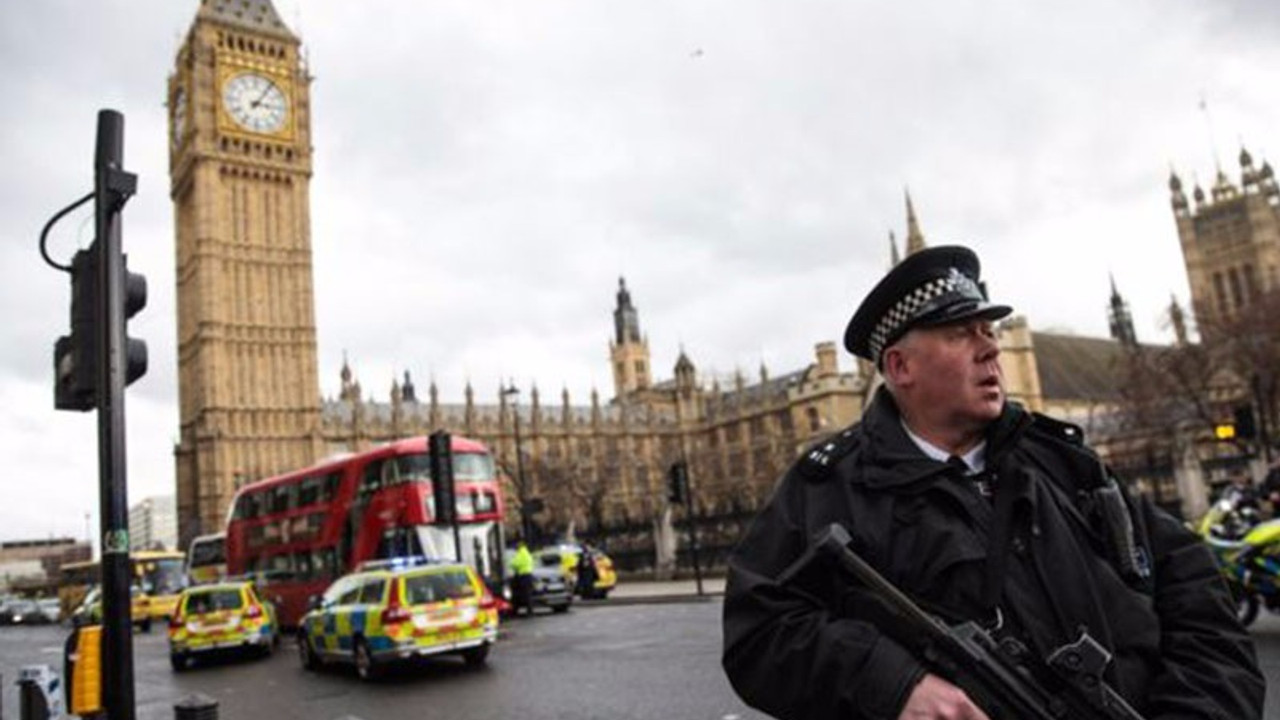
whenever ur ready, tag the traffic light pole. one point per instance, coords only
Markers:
(681, 491)
(112, 188)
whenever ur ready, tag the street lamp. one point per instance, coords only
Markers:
(525, 528)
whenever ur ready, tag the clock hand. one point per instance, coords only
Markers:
(261, 96)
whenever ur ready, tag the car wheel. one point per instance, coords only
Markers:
(563, 608)
(310, 660)
(366, 667)
(178, 661)
(476, 656)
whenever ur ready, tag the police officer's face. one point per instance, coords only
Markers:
(949, 374)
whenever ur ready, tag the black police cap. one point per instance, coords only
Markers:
(935, 286)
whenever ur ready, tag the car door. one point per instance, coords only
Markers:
(323, 626)
(366, 615)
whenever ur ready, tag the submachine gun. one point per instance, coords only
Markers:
(1003, 677)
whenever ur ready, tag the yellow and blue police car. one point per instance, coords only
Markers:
(395, 610)
(227, 616)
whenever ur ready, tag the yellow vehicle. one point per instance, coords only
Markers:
(566, 556)
(207, 559)
(159, 576)
(396, 610)
(89, 612)
(221, 617)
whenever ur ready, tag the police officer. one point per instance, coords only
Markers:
(979, 511)
(522, 579)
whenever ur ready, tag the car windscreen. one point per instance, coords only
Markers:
(437, 587)
(214, 600)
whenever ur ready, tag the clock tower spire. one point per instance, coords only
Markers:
(240, 170)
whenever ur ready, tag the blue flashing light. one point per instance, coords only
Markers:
(396, 563)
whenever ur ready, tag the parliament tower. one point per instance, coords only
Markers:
(240, 168)
(1230, 241)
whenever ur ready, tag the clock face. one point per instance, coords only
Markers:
(255, 103)
(178, 122)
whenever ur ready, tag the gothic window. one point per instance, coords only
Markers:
(640, 367)
(1250, 281)
(760, 459)
(731, 434)
(815, 420)
(1220, 291)
(1237, 294)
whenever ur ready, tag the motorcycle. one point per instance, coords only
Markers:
(1248, 553)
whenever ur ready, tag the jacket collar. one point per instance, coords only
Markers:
(893, 460)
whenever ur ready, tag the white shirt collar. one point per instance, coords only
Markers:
(975, 459)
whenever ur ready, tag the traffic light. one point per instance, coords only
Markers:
(442, 488)
(135, 299)
(678, 483)
(76, 356)
(1245, 427)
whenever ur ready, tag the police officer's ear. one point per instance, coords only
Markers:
(894, 365)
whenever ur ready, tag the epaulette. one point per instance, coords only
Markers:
(817, 463)
(1056, 429)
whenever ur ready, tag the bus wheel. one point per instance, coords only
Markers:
(366, 668)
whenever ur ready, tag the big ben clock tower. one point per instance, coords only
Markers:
(240, 167)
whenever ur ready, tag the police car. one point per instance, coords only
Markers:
(227, 616)
(566, 556)
(399, 609)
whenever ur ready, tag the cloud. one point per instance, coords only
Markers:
(484, 175)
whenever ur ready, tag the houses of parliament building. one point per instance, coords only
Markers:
(250, 405)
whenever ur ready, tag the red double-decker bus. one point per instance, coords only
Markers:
(297, 532)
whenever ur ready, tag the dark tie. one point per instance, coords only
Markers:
(980, 481)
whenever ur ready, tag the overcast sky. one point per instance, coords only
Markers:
(484, 172)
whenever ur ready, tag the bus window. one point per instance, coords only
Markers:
(283, 498)
(309, 491)
(372, 480)
(330, 486)
(324, 563)
(207, 559)
(164, 576)
(302, 569)
(472, 466)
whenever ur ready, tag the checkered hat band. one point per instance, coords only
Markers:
(908, 308)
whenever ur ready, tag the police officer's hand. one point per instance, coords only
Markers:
(936, 699)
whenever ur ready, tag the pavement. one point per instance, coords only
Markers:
(633, 592)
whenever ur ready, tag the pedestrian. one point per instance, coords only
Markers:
(522, 579)
(980, 511)
(587, 575)
(1271, 488)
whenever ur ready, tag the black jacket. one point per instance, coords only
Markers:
(1178, 651)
